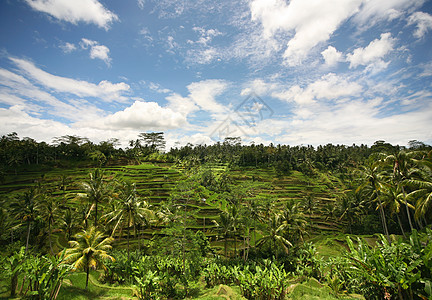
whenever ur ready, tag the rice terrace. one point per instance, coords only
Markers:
(83, 220)
(216, 149)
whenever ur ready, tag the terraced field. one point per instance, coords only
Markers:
(156, 182)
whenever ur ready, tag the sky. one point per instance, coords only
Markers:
(269, 71)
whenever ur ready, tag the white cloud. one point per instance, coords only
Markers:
(68, 47)
(141, 4)
(372, 53)
(330, 87)
(373, 11)
(312, 21)
(357, 122)
(331, 56)
(140, 116)
(96, 50)
(87, 11)
(203, 94)
(258, 87)
(423, 21)
(105, 90)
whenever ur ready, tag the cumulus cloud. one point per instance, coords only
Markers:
(203, 94)
(423, 22)
(374, 52)
(140, 116)
(105, 90)
(312, 21)
(68, 47)
(372, 12)
(96, 50)
(329, 87)
(87, 11)
(357, 122)
(331, 56)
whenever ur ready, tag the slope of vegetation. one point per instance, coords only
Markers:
(86, 221)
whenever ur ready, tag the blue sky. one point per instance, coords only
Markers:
(290, 72)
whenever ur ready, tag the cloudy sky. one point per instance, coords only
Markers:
(289, 72)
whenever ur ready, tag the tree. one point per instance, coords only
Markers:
(350, 206)
(154, 140)
(224, 228)
(49, 211)
(129, 210)
(275, 235)
(24, 210)
(400, 163)
(309, 205)
(371, 186)
(293, 220)
(88, 251)
(96, 190)
(422, 183)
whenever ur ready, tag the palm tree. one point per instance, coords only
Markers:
(309, 205)
(400, 162)
(67, 223)
(393, 198)
(88, 251)
(225, 228)
(96, 190)
(275, 235)
(423, 185)
(293, 220)
(25, 210)
(350, 206)
(129, 211)
(254, 211)
(48, 210)
(372, 186)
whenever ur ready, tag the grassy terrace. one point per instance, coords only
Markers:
(156, 181)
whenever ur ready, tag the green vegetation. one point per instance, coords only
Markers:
(86, 221)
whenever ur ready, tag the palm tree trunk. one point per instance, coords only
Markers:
(225, 246)
(383, 219)
(28, 236)
(400, 224)
(407, 209)
(49, 238)
(96, 213)
(87, 278)
(14, 284)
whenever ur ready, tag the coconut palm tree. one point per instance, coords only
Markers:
(276, 235)
(351, 206)
(293, 220)
(422, 183)
(25, 210)
(48, 209)
(393, 199)
(309, 205)
(224, 228)
(254, 210)
(401, 162)
(371, 186)
(129, 211)
(96, 191)
(88, 251)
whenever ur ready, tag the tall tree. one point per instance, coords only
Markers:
(275, 235)
(129, 211)
(400, 162)
(24, 209)
(88, 251)
(154, 140)
(49, 211)
(371, 186)
(96, 190)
